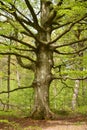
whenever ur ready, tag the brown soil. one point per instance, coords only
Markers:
(69, 123)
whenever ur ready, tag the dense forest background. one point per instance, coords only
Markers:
(68, 90)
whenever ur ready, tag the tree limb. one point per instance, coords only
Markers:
(32, 12)
(68, 78)
(16, 54)
(59, 26)
(17, 40)
(28, 21)
(27, 29)
(83, 78)
(27, 66)
(70, 53)
(22, 21)
(71, 43)
(16, 89)
(67, 30)
(24, 50)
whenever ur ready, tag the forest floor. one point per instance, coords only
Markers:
(67, 123)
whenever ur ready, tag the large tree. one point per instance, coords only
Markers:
(38, 33)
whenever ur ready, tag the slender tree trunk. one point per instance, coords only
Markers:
(75, 94)
(18, 78)
(1, 82)
(8, 82)
(77, 86)
(55, 94)
(80, 68)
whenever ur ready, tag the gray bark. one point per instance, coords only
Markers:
(43, 76)
(8, 82)
(18, 78)
(75, 94)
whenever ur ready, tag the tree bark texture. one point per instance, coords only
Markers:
(8, 82)
(80, 68)
(75, 94)
(43, 76)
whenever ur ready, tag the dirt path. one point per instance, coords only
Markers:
(70, 127)
(76, 123)
(57, 125)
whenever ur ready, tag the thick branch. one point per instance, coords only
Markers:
(16, 89)
(15, 39)
(83, 78)
(70, 53)
(32, 11)
(22, 42)
(27, 66)
(24, 50)
(22, 21)
(16, 54)
(51, 17)
(27, 20)
(71, 43)
(68, 78)
(27, 29)
(20, 49)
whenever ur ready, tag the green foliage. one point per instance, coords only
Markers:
(4, 121)
(82, 110)
(71, 10)
(11, 125)
(9, 113)
(33, 128)
(9, 1)
(63, 113)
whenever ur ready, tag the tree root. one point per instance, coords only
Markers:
(41, 115)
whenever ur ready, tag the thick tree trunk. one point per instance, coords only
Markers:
(43, 76)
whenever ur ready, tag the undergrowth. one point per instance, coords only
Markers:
(15, 126)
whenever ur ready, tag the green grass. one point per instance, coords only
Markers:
(12, 125)
(82, 110)
(9, 113)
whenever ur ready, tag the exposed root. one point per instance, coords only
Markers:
(37, 114)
